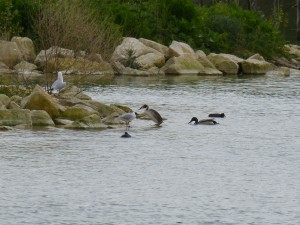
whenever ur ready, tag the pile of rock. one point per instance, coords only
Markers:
(137, 57)
(144, 57)
(70, 109)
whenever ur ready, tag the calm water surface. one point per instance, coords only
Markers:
(246, 170)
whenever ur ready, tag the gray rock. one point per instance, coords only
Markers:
(41, 118)
(40, 100)
(78, 112)
(15, 117)
(133, 54)
(226, 63)
(10, 53)
(180, 48)
(183, 64)
(26, 47)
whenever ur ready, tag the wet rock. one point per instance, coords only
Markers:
(15, 117)
(255, 65)
(76, 125)
(279, 71)
(41, 118)
(183, 64)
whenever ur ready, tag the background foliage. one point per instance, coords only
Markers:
(221, 27)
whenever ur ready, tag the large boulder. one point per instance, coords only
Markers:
(255, 65)
(202, 58)
(293, 50)
(134, 54)
(40, 100)
(159, 47)
(15, 117)
(74, 92)
(4, 68)
(53, 52)
(180, 48)
(41, 118)
(78, 112)
(228, 64)
(26, 47)
(25, 67)
(4, 100)
(10, 53)
(183, 64)
(103, 109)
(27, 71)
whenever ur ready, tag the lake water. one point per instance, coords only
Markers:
(246, 170)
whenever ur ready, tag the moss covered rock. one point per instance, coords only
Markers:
(78, 112)
(40, 100)
(41, 118)
(15, 117)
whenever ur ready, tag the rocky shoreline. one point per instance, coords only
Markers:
(72, 109)
(138, 57)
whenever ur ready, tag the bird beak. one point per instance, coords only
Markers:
(190, 121)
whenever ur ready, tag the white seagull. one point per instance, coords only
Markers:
(127, 118)
(59, 83)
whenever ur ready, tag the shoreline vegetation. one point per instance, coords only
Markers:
(220, 40)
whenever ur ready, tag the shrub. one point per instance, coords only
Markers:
(229, 28)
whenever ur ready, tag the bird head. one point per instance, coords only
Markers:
(144, 107)
(194, 119)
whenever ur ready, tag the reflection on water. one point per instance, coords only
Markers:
(243, 171)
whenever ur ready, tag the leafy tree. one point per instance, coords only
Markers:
(9, 20)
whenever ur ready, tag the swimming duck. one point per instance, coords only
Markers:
(126, 135)
(217, 115)
(204, 121)
(152, 114)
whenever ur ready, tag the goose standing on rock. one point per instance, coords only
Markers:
(59, 83)
(204, 121)
(152, 114)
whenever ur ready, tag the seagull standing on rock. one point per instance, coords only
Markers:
(59, 83)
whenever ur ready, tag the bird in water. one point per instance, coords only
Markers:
(152, 114)
(58, 84)
(208, 121)
(126, 135)
(217, 115)
(127, 118)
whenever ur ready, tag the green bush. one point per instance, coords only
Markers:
(229, 28)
